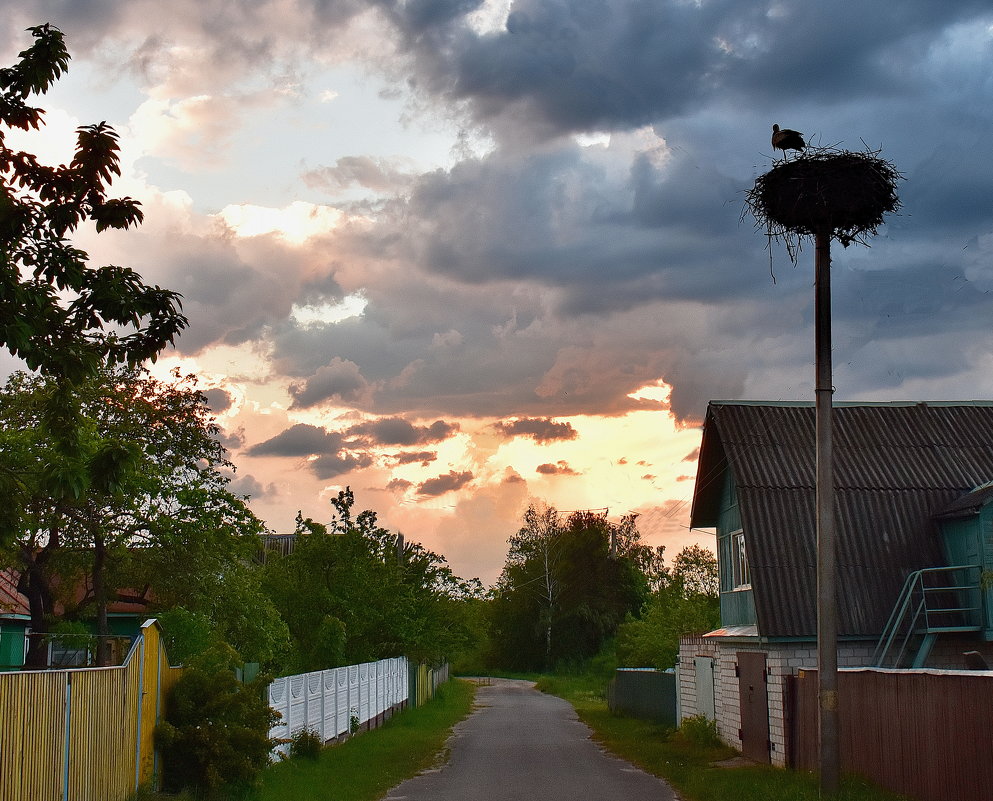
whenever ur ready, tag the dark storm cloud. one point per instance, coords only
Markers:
(341, 380)
(609, 240)
(231, 39)
(376, 174)
(397, 431)
(540, 430)
(233, 292)
(545, 278)
(336, 464)
(253, 488)
(448, 482)
(578, 65)
(431, 346)
(560, 468)
(557, 65)
(424, 458)
(232, 440)
(299, 440)
(218, 399)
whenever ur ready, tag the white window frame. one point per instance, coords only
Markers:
(741, 577)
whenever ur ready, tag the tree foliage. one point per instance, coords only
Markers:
(351, 591)
(686, 603)
(566, 586)
(57, 312)
(124, 493)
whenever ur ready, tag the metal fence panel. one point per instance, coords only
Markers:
(921, 733)
(646, 694)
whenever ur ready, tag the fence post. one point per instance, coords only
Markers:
(65, 750)
(141, 693)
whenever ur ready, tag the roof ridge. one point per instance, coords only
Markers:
(853, 403)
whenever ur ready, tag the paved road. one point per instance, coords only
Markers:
(523, 745)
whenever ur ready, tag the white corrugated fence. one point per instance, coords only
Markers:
(336, 701)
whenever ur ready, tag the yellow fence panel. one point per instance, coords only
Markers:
(32, 732)
(87, 734)
(103, 732)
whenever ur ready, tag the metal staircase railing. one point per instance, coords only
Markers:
(933, 600)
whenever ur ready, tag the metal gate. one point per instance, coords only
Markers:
(754, 731)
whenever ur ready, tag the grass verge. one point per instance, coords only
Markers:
(365, 768)
(688, 764)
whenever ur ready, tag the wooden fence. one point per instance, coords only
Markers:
(922, 733)
(424, 682)
(84, 734)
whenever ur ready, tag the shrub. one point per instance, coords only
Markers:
(306, 744)
(216, 729)
(700, 731)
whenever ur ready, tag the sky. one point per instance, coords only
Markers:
(465, 255)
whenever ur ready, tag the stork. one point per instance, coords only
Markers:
(786, 139)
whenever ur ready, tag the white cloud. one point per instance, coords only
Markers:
(295, 223)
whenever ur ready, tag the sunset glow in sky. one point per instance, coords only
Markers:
(464, 254)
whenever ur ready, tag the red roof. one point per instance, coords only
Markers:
(11, 601)
(14, 603)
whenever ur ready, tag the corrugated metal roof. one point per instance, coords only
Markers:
(969, 504)
(896, 466)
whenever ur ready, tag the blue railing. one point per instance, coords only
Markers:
(932, 601)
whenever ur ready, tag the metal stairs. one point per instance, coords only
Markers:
(933, 601)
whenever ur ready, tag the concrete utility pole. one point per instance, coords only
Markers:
(825, 194)
(827, 594)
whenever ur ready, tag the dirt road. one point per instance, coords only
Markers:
(523, 745)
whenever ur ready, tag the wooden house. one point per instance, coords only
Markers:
(914, 512)
(66, 650)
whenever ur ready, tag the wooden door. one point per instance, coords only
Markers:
(752, 689)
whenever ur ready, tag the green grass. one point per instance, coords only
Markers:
(366, 767)
(689, 766)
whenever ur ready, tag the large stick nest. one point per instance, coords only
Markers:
(839, 192)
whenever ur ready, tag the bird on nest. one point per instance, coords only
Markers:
(787, 139)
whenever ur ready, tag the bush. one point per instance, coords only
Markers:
(700, 731)
(306, 744)
(216, 729)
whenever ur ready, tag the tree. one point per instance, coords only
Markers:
(58, 313)
(351, 591)
(565, 587)
(695, 571)
(686, 604)
(128, 501)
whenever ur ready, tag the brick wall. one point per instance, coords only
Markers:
(689, 649)
(782, 660)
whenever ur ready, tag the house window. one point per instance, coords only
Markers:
(741, 579)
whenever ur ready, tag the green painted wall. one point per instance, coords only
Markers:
(12, 644)
(969, 541)
(737, 606)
